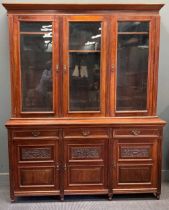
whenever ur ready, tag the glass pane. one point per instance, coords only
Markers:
(132, 70)
(36, 72)
(36, 26)
(84, 79)
(133, 26)
(84, 36)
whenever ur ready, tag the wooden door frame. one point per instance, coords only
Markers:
(16, 61)
(65, 66)
(152, 72)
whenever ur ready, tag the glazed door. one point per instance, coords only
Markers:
(37, 65)
(132, 66)
(84, 66)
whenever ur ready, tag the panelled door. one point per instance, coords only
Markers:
(132, 69)
(84, 65)
(85, 160)
(134, 160)
(36, 65)
(37, 165)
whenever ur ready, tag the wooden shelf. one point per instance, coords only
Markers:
(84, 51)
(133, 33)
(35, 33)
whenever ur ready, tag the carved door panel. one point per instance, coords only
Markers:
(85, 165)
(37, 165)
(134, 164)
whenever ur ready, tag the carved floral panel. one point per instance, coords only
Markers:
(28, 153)
(135, 152)
(85, 152)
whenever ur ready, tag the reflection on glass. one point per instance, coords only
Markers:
(84, 79)
(133, 26)
(132, 70)
(36, 26)
(36, 72)
(84, 66)
(84, 36)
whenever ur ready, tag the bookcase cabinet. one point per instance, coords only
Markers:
(84, 94)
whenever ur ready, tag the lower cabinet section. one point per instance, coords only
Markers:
(74, 160)
(86, 165)
(135, 164)
(36, 163)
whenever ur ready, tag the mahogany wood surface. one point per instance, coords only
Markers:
(141, 7)
(86, 121)
(63, 152)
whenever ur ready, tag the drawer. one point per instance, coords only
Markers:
(86, 132)
(133, 132)
(36, 133)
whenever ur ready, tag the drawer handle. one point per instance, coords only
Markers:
(35, 133)
(135, 132)
(85, 132)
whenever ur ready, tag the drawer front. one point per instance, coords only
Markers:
(86, 133)
(36, 133)
(135, 132)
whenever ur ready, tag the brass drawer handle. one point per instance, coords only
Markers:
(35, 133)
(85, 132)
(135, 132)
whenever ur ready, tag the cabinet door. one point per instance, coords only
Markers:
(84, 66)
(133, 67)
(85, 166)
(36, 70)
(134, 165)
(36, 166)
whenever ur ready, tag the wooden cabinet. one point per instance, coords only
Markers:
(134, 164)
(35, 154)
(84, 91)
(85, 165)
